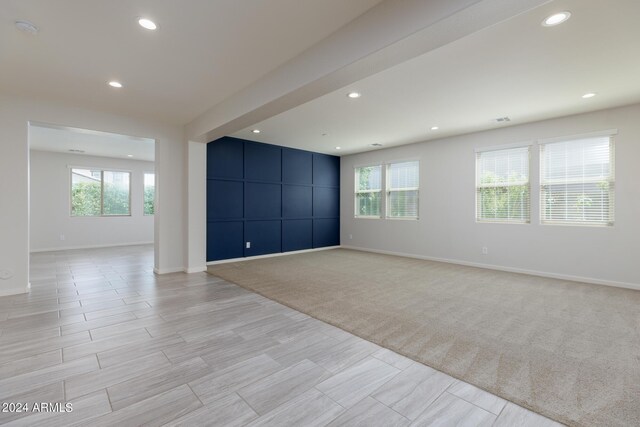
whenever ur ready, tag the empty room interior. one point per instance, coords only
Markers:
(320, 213)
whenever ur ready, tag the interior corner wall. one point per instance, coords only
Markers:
(15, 115)
(447, 229)
(51, 219)
(264, 199)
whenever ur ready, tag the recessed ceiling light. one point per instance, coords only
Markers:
(115, 84)
(129, 155)
(27, 27)
(588, 95)
(147, 23)
(434, 128)
(354, 95)
(556, 18)
(338, 148)
(256, 131)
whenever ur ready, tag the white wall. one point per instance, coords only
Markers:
(15, 114)
(50, 205)
(195, 251)
(447, 228)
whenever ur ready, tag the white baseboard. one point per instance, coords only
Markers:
(14, 291)
(590, 280)
(249, 258)
(195, 269)
(71, 248)
(168, 270)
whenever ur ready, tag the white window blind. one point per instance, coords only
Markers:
(502, 185)
(368, 186)
(402, 190)
(577, 181)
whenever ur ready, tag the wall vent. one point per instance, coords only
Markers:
(73, 150)
(377, 144)
(502, 119)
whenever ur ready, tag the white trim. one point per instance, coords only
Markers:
(569, 277)
(195, 269)
(103, 169)
(505, 146)
(168, 270)
(71, 248)
(249, 258)
(609, 133)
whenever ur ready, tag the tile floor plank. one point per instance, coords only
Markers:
(220, 383)
(230, 411)
(370, 413)
(154, 411)
(276, 389)
(318, 411)
(357, 382)
(450, 410)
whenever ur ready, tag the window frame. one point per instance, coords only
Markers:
(357, 191)
(144, 174)
(102, 171)
(610, 134)
(505, 147)
(388, 190)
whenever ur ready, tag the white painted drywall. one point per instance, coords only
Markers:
(447, 228)
(196, 223)
(15, 114)
(50, 205)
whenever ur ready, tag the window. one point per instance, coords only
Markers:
(149, 193)
(99, 193)
(577, 181)
(402, 190)
(368, 182)
(502, 185)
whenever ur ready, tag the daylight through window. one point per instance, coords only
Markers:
(96, 192)
(577, 181)
(502, 185)
(149, 193)
(368, 186)
(402, 190)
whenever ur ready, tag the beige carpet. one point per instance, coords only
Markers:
(567, 350)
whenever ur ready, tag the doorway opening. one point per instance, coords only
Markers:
(91, 192)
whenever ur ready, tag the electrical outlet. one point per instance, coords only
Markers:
(350, 236)
(485, 250)
(248, 245)
(62, 237)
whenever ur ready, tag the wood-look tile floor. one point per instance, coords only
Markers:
(126, 347)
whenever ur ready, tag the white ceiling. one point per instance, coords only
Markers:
(44, 137)
(517, 68)
(207, 51)
(203, 52)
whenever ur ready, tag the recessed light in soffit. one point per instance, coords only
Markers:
(115, 84)
(556, 19)
(147, 23)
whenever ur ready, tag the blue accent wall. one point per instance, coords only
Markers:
(279, 199)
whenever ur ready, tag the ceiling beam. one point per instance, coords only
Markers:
(390, 33)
